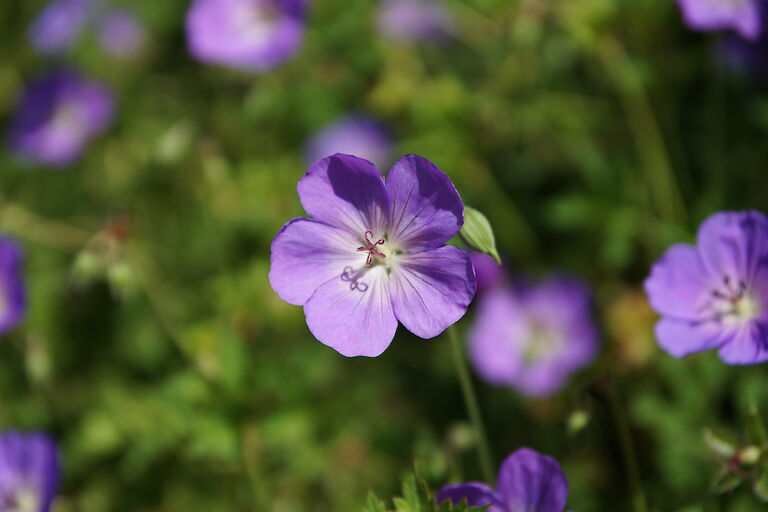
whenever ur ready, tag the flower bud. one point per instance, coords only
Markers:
(478, 234)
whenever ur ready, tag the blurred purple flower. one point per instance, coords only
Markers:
(741, 56)
(715, 294)
(414, 20)
(251, 35)
(528, 482)
(29, 472)
(121, 33)
(374, 253)
(352, 135)
(59, 113)
(59, 25)
(488, 272)
(532, 338)
(743, 16)
(13, 300)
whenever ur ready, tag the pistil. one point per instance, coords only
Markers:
(371, 248)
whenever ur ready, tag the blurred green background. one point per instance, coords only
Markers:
(592, 133)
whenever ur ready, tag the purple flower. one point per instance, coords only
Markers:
(374, 253)
(714, 294)
(743, 16)
(251, 35)
(488, 272)
(352, 135)
(29, 472)
(59, 113)
(414, 20)
(121, 33)
(532, 338)
(528, 482)
(59, 25)
(13, 300)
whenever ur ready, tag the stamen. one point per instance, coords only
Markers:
(732, 301)
(736, 293)
(371, 249)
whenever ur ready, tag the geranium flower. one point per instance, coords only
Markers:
(527, 482)
(533, 337)
(743, 16)
(352, 135)
(29, 472)
(250, 35)
(59, 25)
(373, 253)
(714, 294)
(121, 33)
(409, 21)
(13, 301)
(59, 113)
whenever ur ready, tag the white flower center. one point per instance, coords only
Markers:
(23, 500)
(746, 308)
(255, 21)
(732, 304)
(542, 342)
(67, 118)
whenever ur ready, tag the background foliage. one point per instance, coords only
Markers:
(591, 133)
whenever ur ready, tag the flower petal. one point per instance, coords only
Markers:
(306, 254)
(29, 461)
(251, 35)
(744, 17)
(749, 345)
(487, 271)
(477, 494)
(679, 284)
(499, 329)
(531, 482)
(346, 192)
(426, 208)
(13, 300)
(534, 339)
(432, 290)
(734, 244)
(353, 314)
(59, 25)
(683, 337)
(356, 135)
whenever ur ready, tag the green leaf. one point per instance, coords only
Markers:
(374, 504)
(478, 234)
(411, 491)
(417, 497)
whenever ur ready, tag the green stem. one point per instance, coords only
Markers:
(628, 451)
(25, 224)
(473, 408)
